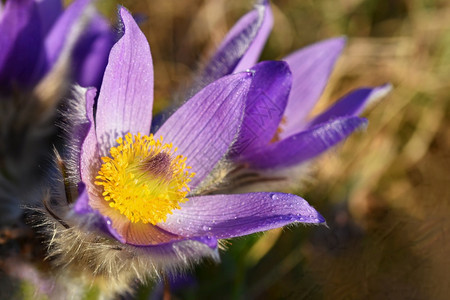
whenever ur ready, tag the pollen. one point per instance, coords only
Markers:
(143, 178)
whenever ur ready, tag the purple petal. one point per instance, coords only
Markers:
(352, 104)
(205, 126)
(92, 51)
(126, 96)
(81, 205)
(241, 47)
(310, 67)
(102, 223)
(227, 216)
(62, 29)
(89, 153)
(20, 42)
(266, 101)
(159, 240)
(254, 50)
(96, 220)
(112, 222)
(142, 235)
(49, 11)
(304, 145)
(147, 235)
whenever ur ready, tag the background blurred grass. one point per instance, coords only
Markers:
(385, 192)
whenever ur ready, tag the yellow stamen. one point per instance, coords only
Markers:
(143, 179)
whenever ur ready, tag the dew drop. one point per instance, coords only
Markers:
(274, 197)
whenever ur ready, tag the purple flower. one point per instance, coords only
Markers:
(42, 51)
(277, 131)
(143, 194)
(37, 40)
(36, 34)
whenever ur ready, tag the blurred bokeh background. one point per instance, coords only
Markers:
(385, 192)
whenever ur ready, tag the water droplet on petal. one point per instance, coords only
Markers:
(274, 197)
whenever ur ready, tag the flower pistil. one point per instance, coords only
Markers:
(143, 179)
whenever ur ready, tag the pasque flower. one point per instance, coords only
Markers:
(43, 48)
(277, 131)
(35, 35)
(139, 207)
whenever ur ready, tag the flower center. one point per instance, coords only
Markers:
(143, 179)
